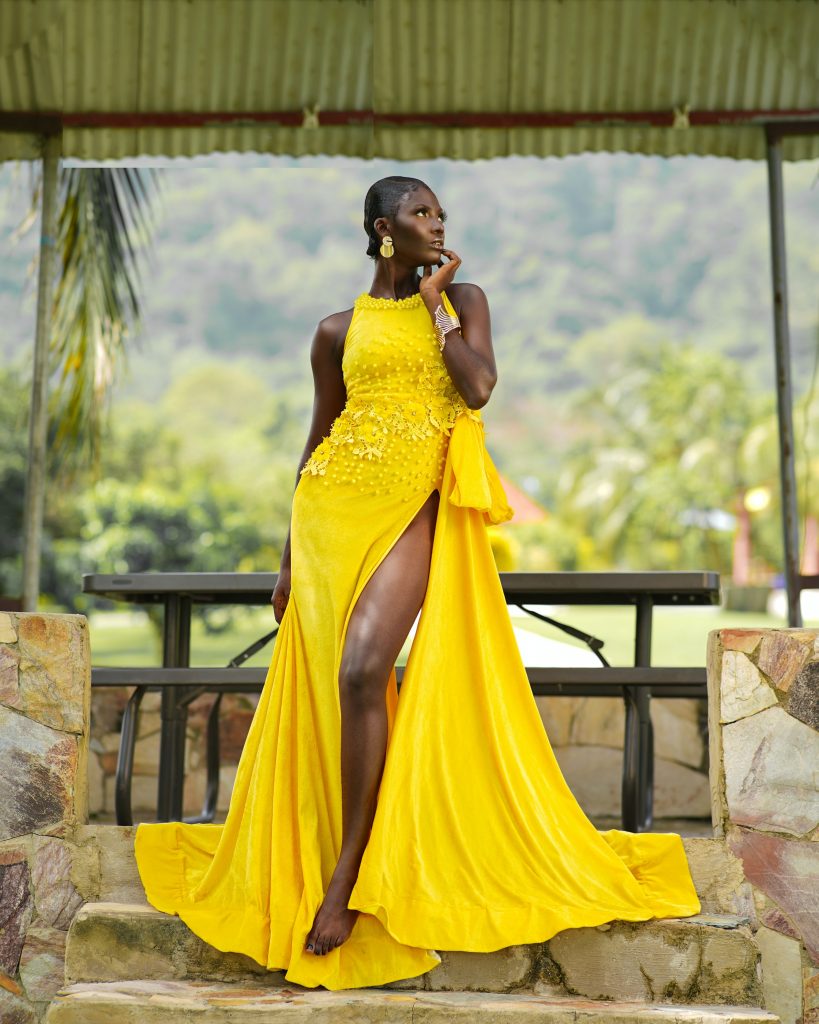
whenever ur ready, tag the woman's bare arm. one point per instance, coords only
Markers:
(326, 351)
(468, 354)
(471, 365)
(330, 392)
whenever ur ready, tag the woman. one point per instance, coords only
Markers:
(365, 833)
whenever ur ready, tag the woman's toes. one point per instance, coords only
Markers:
(323, 942)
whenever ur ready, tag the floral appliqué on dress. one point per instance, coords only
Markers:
(367, 423)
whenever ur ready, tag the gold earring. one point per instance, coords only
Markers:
(386, 247)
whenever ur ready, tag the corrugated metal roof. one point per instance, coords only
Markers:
(576, 56)
(374, 61)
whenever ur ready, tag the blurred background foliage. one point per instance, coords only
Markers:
(630, 301)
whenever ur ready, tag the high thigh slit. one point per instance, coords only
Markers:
(477, 843)
(368, 575)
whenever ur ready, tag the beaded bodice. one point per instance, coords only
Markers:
(401, 403)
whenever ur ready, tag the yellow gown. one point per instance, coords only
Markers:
(477, 842)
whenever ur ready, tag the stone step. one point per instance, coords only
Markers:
(172, 1002)
(107, 871)
(699, 960)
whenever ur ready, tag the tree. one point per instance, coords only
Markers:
(665, 442)
(12, 477)
(81, 330)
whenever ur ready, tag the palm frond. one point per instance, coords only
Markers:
(103, 227)
(96, 303)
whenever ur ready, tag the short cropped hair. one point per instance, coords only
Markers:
(382, 200)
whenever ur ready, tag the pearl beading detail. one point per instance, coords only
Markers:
(392, 435)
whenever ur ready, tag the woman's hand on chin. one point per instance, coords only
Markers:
(434, 283)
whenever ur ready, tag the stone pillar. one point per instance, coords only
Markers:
(45, 694)
(763, 717)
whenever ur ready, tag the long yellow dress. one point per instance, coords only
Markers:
(477, 842)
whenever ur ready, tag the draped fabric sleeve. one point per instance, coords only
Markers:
(476, 482)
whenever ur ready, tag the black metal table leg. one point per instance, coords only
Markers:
(638, 754)
(125, 758)
(174, 711)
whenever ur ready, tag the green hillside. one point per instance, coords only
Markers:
(597, 268)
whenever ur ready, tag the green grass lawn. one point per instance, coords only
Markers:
(680, 634)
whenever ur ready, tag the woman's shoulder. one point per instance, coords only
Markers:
(333, 320)
(333, 328)
(463, 294)
(334, 323)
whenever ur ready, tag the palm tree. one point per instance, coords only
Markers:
(81, 332)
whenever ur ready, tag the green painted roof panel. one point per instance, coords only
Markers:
(144, 60)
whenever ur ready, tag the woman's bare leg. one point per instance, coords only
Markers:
(379, 625)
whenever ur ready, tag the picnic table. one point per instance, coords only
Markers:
(180, 684)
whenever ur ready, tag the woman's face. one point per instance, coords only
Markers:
(417, 230)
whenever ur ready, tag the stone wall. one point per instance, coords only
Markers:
(763, 718)
(106, 719)
(764, 752)
(586, 734)
(45, 692)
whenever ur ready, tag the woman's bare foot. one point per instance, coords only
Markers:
(333, 921)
